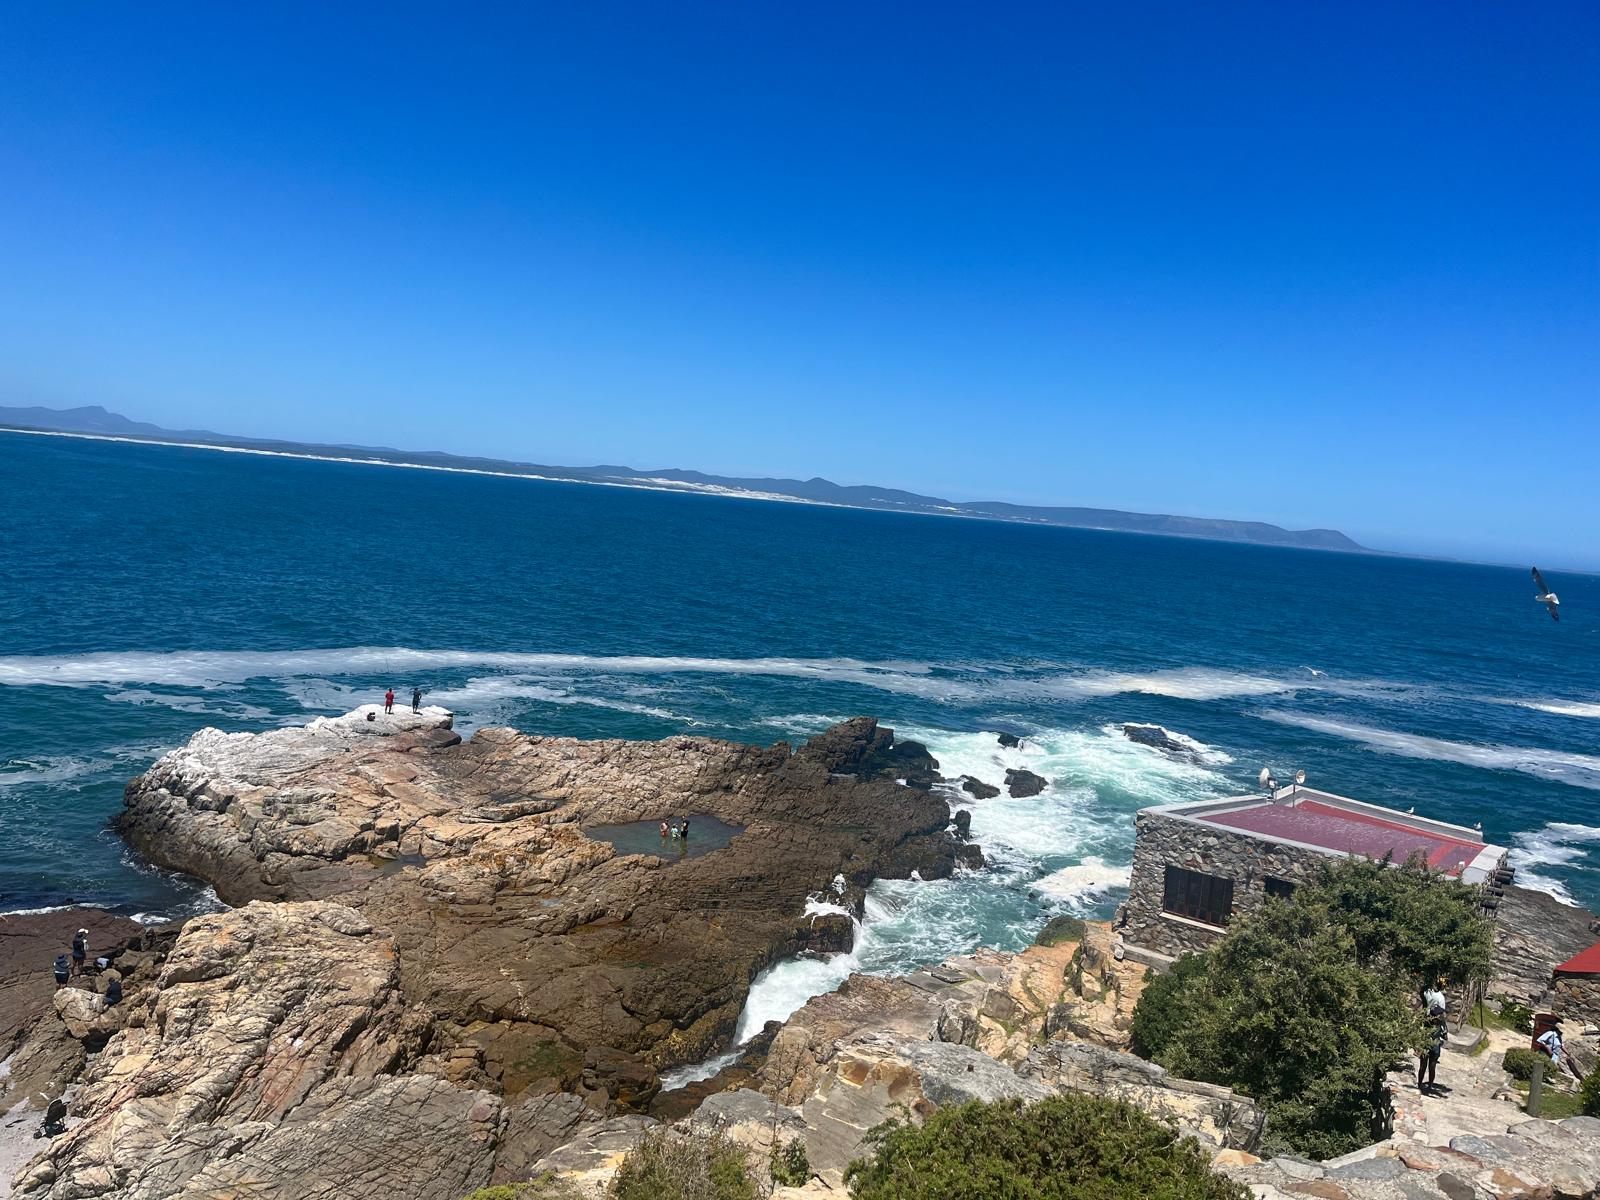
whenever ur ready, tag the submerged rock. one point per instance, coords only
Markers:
(1159, 738)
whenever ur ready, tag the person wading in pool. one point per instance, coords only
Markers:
(388, 701)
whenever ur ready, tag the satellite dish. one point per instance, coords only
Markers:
(1265, 777)
(1300, 778)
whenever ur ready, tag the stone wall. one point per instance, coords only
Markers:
(1162, 841)
(1577, 998)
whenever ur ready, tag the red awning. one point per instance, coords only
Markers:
(1585, 962)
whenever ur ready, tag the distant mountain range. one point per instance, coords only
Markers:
(94, 420)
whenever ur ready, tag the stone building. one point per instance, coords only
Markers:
(1575, 987)
(1195, 866)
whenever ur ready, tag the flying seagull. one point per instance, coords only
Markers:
(1546, 597)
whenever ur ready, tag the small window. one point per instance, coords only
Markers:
(1281, 888)
(1198, 896)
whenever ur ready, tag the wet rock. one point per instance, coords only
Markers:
(1022, 784)
(978, 789)
(963, 823)
(1009, 740)
(1162, 739)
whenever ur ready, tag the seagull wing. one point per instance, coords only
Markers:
(1555, 613)
(1538, 579)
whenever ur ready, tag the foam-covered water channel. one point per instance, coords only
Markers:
(645, 837)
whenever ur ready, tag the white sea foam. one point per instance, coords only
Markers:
(202, 902)
(1579, 770)
(1565, 708)
(1185, 683)
(1560, 844)
(1091, 880)
(207, 669)
(946, 683)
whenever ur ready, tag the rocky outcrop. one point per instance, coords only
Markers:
(1159, 738)
(1009, 741)
(45, 1055)
(1533, 933)
(275, 1056)
(1534, 1160)
(1022, 784)
(978, 789)
(523, 937)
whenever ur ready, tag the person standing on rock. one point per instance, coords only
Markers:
(388, 701)
(80, 951)
(416, 700)
(1438, 1028)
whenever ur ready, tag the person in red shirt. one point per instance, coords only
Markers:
(388, 701)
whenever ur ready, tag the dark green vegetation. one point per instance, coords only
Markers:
(1073, 1147)
(670, 1166)
(1519, 1062)
(548, 1188)
(1308, 1003)
(790, 1166)
(1589, 1094)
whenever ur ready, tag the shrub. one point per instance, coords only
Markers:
(1159, 1013)
(1071, 1147)
(1589, 1093)
(546, 1188)
(790, 1166)
(667, 1165)
(1519, 1062)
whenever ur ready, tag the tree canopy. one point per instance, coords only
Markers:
(1304, 1004)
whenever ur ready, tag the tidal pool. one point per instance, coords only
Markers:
(644, 837)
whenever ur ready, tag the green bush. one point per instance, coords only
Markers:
(1589, 1093)
(1072, 1147)
(667, 1165)
(790, 1166)
(1303, 1006)
(1519, 1062)
(1159, 1013)
(546, 1188)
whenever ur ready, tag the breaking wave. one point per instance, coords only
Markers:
(1559, 845)
(1579, 770)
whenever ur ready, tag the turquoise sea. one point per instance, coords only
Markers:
(149, 591)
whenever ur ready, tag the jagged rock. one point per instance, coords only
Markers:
(1009, 740)
(268, 1058)
(1022, 784)
(962, 820)
(754, 1121)
(534, 941)
(978, 789)
(1161, 739)
(1217, 1114)
(626, 1080)
(44, 1055)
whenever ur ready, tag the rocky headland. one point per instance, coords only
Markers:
(439, 974)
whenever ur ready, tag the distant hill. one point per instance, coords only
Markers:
(95, 420)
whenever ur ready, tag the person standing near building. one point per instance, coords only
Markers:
(388, 701)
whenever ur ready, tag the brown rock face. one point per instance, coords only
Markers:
(518, 934)
(264, 1062)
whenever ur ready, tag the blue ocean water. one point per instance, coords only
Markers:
(148, 591)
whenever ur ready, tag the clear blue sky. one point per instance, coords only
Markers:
(1328, 264)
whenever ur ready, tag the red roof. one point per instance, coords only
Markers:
(1336, 828)
(1585, 962)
